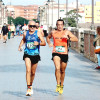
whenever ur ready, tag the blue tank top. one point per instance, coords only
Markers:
(30, 49)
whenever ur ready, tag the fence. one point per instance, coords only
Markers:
(85, 43)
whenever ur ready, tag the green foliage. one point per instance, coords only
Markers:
(34, 20)
(17, 21)
(10, 20)
(72, 17)
(21, 21)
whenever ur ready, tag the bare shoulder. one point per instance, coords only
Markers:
(54, 31)
(67, 32)
(39, 33)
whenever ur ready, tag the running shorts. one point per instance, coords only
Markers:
(63, 57)
(34, 59)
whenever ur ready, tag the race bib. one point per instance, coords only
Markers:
(60, 49)
(30, 45)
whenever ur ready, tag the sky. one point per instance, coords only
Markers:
(41, 2)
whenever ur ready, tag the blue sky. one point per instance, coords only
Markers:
(40, 2)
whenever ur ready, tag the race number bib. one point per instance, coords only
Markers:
(30, 45)
(60, 49)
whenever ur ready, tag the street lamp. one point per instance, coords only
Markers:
(92, 25)
(58, 9)
(77, 13)
(66, 12)
(52, 13)
(48, 12)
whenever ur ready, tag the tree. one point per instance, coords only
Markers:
(10, 20)
(21, 21)
(72, 17)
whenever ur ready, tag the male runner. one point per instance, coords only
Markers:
(60, 52)
(5, 32)
(39, 29)
(31, 56)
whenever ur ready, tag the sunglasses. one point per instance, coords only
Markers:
(34, 26)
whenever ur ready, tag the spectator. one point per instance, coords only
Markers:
(97, 45)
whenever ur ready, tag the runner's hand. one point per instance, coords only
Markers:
(50, 45)
(65, 37)
(20, 49)
(36, 43)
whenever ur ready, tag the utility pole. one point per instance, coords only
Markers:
(58, 9)
(92, 25)
(77, 13)
(66, 13)
(52, 13)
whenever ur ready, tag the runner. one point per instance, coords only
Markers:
(12, 30)
(60, 52)
(5, 31)
(39, 29)
(31, 56)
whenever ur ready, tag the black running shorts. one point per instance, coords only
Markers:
(34, 59)
(63, 57)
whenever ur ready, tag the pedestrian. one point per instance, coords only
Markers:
(12, 30)
(5, 31)
(60, 52)
(31, 56)
(97, 45)
(25, 28)
(0, 32)
(39, 29)
(45, 30)
(9, 31)
(18, 30)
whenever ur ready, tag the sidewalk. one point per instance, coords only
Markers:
(82, 81)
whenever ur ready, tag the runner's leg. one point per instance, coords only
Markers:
(28, 70)
(56, 60)
(63, 68)
(33, 70)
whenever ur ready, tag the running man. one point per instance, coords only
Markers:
(32, 40)
(5, 32)
(39, 29)
(60, 52)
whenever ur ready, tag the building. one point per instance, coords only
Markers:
(48, 13)
(3, 13)
(28, 12)
(88, 13)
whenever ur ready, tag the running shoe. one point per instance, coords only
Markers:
(61, 90)
(58, 88)
(28, 92)
(31, 90)
(97, 67)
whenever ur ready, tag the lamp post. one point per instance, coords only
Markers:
(46, 15)
(58, 9)
(66, 12)
(77, 13)
(92, 25)
(52, 13)
(48, 12)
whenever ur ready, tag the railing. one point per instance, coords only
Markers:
(85, 43)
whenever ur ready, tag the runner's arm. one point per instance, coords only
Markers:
(22, 42)
(48, 38)
(42, 43)
(42, 33)
(72, 37)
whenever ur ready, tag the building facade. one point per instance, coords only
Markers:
(49, 13)
(28, 12)
(88, 13)
(3, 13)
